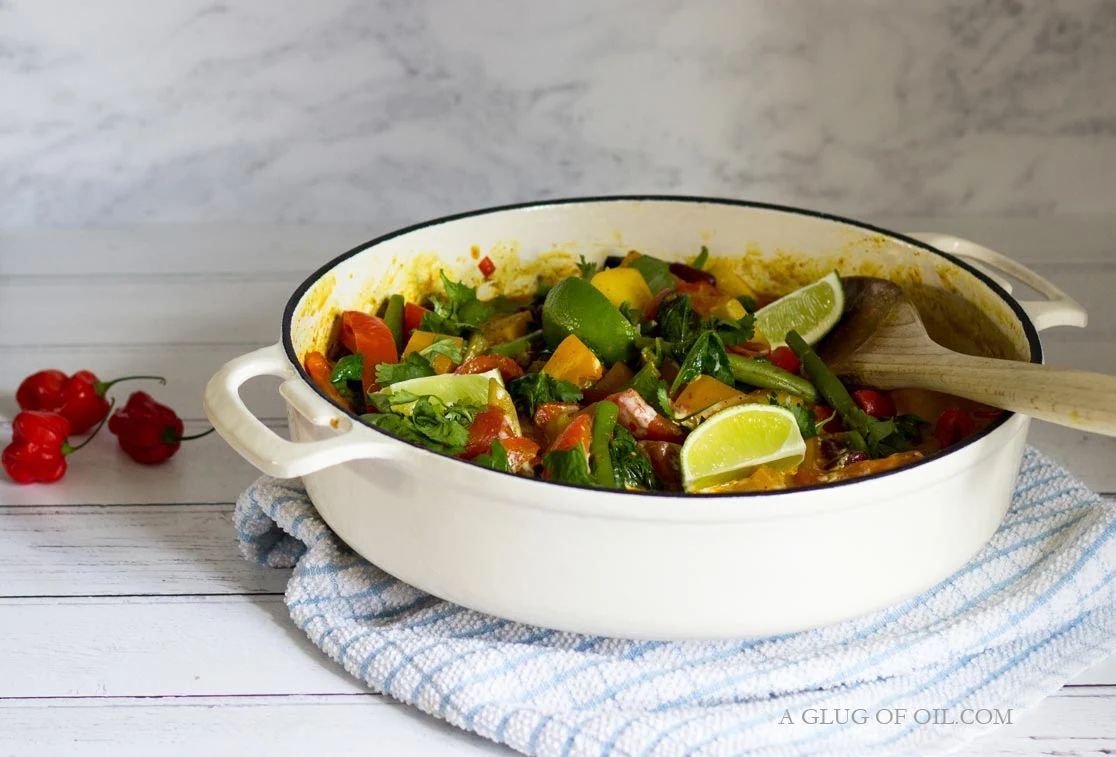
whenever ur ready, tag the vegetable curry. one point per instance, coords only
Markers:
(607, 377)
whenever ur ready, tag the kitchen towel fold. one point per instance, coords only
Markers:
(1035, 607)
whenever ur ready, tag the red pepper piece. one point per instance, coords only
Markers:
(822, 415)
(876, 404)
(522, 452)
(487, 426)
(579, 431)
(147, 431)
(412, 319)
(80, 398)
(551, 417)
(953, 425)
(486, 266)
(508, 368)
(371, 338)
(644, 421)
(784, 357)
(39, 446)
(320, 369)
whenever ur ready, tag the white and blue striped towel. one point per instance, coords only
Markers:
(1031, 610)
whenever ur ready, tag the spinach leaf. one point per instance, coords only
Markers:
(568, 466)
(413, 366)
(909, 427)
(404, 428)
(439, 426)
(346, 376)
(630, 464)
(707, 356)
(655, 272)
(534, 389)
(497, 459)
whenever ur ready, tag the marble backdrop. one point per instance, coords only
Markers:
(124, 111)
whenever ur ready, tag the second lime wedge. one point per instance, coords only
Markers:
(811, 310)
(736, 441)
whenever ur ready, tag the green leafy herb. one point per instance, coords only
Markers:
(496, 459)
(630, 313)
(412, 366)
(701, 259)
(803, 415)
(346, 376)
(748, 303)
(568, 466)
(662, 400)
(443, 345)
(381, 401)
(909, 427)
(440, 426)
(534, 389)
(655, 272)
(708, 357)
(646, 381)
(737, 332)
(630, 465)
(405, 428)
(679, 323)
(585, 268)
(439, 324)
(457, 310)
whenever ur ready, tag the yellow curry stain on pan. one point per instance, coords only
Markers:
(958, 309)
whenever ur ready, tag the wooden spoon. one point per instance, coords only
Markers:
(882, 342)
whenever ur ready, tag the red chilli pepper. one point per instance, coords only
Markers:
(80, 398)
(148, 432)
(39, 446)
(486, 266)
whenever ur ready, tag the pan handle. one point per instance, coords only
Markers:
(265, 449)
(1058, 309)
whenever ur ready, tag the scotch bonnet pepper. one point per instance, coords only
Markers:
(147, 431)
(79, 398)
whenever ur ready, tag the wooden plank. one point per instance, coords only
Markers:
(157, 646)
(187, 368)
(205, 470)
(338, 726)
(1069, 725)
(146, 549)
(199, 646)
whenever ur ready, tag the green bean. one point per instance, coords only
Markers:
(515, 347)
(476, 345)
(768, 376)
(604, 422)
(393, 317)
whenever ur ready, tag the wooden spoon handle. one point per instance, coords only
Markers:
(1078, 399)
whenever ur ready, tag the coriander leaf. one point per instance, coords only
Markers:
(497, 459)
(443, 345)
(439, 324)
(461, 303)
(630, 463)
(568, 466)
(701, 259)
(708, 357)
(909, 427)
(748, 303)
(413, 366)
(679, 323)
(803, 415)
(737, 332)
(535, 389)
(585, 268)
(439, 426)
(655, 272)
(662, 400)
(405, 429)
(381, 401)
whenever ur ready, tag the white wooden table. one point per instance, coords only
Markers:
(130, 625)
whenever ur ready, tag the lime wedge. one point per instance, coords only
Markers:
(448, 387)
(811, 311)
(736, 441)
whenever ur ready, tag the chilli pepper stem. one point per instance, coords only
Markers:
(67, 449)
(169, 437)
(101, 387)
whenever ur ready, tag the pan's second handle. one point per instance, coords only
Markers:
(1058, 309)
